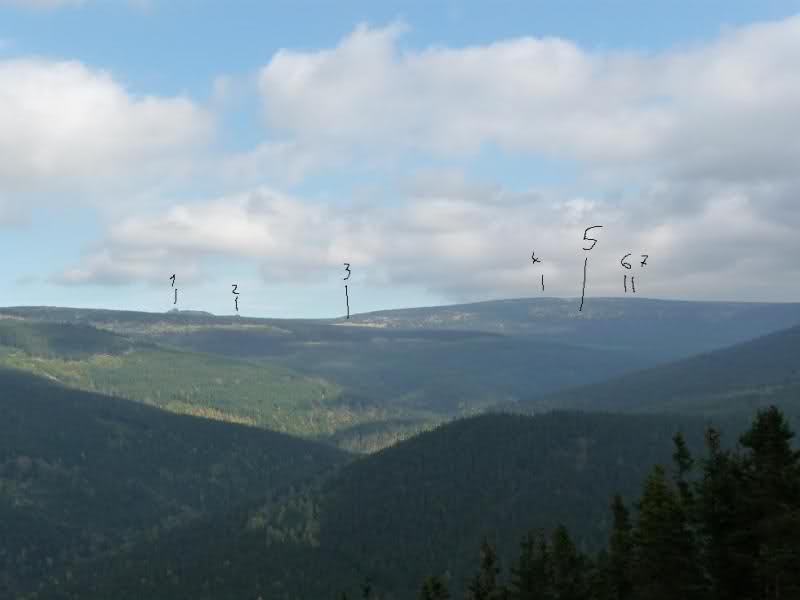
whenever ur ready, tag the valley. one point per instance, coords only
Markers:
(192, 456)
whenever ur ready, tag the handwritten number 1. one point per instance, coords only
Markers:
(172, 279)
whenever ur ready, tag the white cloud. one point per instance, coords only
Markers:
(287, 161)
(66, 124)
(464, 242)
(263, 223)
(724, 109)
(708, 135)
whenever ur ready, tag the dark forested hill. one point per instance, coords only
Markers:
(378, 377)
(84, 357)
(673, 328)
(44, 339)
(83, 475)
(669, 328)
(101, 497)
(737, 379)
(417, 508)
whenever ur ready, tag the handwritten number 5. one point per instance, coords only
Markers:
(588, 239)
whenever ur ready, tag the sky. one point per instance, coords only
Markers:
(436, 148)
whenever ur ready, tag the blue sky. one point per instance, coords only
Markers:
(433, 145)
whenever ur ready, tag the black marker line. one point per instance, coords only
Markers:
(625, 283)
(236, 300)
(633, 284)
(588, 239)
(542, 281)
(583, 293)
(176, 296)
(347, 299)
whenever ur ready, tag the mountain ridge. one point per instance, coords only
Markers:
(751, 374)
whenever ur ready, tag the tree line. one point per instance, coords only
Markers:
(724, 527)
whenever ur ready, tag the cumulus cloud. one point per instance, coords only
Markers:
(724, 109)
(287, 161)
(260, 224)
(463, 242)
(707, 135)
(64, 123)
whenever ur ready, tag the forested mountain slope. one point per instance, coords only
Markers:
(83, 475)
(417, 508)
(669, 327)
(359, 388)
(379, 377)
(265, 395)
(736, 379)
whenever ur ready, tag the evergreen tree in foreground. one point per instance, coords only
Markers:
(434, 588)
(729, 532)
(620, 553)
(770, 474)
(569, 567)
(531, 577)
(724, 541)
(485, 585)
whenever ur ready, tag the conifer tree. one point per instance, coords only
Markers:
(433, 588)
(620, 552)
(665, 565)
(485, 586)
(725, 537)
(771, 475)
(531, 577)
(682, 459)
(569, 567)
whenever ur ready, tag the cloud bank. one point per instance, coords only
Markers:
(64, 123)
(704, 140)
